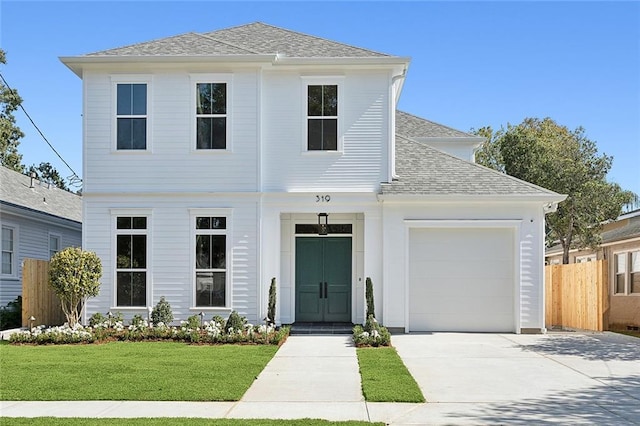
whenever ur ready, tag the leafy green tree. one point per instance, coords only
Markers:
(74, 275)
(565, 161)
(46, 172)
(10, 134)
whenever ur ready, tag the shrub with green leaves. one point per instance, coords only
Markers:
(74, 275)
(11, 315)
(372, 334)
(371, 310)
(161, 313)
(235, 322)
(96, 319)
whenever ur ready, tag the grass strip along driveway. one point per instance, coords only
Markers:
(143, 371)
(52, 421)
(385, 378)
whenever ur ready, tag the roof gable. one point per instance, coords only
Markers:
(250, 39)
(16, 190)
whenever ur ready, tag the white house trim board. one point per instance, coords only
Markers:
(514, 225)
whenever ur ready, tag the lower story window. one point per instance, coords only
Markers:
(131, 261)
(211, 261)
(627, 273)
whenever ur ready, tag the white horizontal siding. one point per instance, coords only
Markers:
(169, 251)
(362, 164)
(172, 165)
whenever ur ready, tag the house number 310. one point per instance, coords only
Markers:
(323, 198)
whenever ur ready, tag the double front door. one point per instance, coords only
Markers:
(323, 279)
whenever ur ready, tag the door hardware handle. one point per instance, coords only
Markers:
(320, 289)
(325, 289)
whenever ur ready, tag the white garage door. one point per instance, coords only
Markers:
(461, 279)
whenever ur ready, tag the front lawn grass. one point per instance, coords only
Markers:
(142, 371)
(385, 378)
(53, 421)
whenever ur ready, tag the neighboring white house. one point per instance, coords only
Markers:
(37, 220)
(213, 161)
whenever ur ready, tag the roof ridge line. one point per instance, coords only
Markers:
(206, 35)
(319, 38)
(480, 166)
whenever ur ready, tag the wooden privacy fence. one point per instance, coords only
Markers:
(577, 295)
(38, 299)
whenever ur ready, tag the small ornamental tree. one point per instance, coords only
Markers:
(271, 311)
(371, 310)
(74, 275)
(161, 313)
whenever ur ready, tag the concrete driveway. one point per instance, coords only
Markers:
(566, 378)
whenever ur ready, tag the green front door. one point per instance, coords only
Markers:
(323, 279)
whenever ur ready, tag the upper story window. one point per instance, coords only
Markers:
(131, 116)
(322, 117)
(54, 244)
(131, 260)
(8, 250)
(211, 115)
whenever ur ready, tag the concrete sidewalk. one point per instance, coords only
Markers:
(568, 378)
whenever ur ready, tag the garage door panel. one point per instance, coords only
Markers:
(461, 279)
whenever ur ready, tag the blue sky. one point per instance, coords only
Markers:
(473, 63)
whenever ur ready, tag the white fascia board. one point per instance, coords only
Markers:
(77, 63)
(376, 60)
(413, 198)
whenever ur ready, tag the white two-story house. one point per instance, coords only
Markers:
(216, 161)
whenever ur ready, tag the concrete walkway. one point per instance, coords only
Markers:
(566, 378)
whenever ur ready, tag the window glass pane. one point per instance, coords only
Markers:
(131, 288)
(620, 283)
(203, 252)
(330, 134)
(123, 222)
(7, 262)
(218, 251)
(219, 98)
(314, 135)
(210, 288)
(204, 133)
(218, 223)
(54, 243)
(330, 100)
(635, 261)
(621, 263)
(219, 137)
(139, 222)
(203, 98)
(635, 282)
(139, 133)
(203, 223)
(7, 239)
(139, 251)
(314, 100)
(123, 247)
(124, 101)
(139, 99)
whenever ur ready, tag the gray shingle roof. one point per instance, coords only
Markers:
(256, 38)
(410, 126)
(423, 170)
(630, 229)
(14, 189)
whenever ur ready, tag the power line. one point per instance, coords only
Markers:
(74, 179)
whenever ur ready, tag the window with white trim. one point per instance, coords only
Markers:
(131, 260)
(131, 116)
(586, 258)
(627, 273)
(211, 115)
(211, 263)
(54, 244)
(322, 117)
(8, 250)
